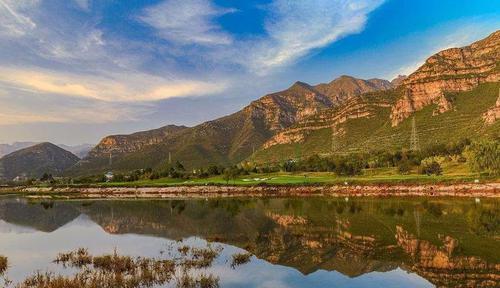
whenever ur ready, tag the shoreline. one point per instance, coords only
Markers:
(485, 190)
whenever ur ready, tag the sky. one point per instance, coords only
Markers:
(74, 71)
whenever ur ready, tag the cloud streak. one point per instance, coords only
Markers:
(114, 87)
(296, 28)
(13, 22)
(188, 22)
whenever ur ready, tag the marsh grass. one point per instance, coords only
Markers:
(198, 258)
(3, 264)
(113, 270)
(240, 259)
(202, 281)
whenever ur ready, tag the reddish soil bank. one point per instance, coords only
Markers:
(438, 190)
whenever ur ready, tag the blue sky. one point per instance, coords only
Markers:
(74, 71)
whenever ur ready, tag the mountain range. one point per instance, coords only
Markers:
(452, 96)
(229, 139)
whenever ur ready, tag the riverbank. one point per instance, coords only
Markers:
(490, 190)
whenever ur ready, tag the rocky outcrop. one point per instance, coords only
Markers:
(282, 109)
(118, 144)
(493, 114)
(353, 108)
(451, 70)
(345, 87)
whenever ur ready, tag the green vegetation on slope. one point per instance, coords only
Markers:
(376, 133)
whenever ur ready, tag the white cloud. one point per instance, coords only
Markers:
(111, 87)
(93, 115)
(23, 107)
(13, 20)
(293, 30)
(187, 22)
(296, 28)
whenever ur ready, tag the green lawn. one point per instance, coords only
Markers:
(453, 173)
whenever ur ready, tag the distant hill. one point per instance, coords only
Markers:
(81, 150)
(9, 148)
(36, 160)
(226, 140)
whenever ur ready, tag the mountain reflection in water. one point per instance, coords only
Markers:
(315, 242)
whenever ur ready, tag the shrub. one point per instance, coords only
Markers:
(432, 168)
(484, 156)
(404, 167)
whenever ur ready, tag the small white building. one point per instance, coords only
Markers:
(109, 176)
(21, 178)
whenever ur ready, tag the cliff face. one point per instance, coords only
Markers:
(346, 87)
(493, 114)
(282, 109)
(451, 70)
(363, 106)
(396, 82)
(117, 144)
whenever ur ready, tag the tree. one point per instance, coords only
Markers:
(179, 167)
(230, 173)
(484, 156)
(213, 170)
(404, 167)
(47, 178)
(432, 168)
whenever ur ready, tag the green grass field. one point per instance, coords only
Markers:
(453, 172)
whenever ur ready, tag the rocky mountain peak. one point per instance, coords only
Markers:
(344, 87)
(451, 70)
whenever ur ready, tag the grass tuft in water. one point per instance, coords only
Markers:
(114, 270)
(240, 259)
(3, 264)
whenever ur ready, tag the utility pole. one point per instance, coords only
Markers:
(414, 136)
(169, 157)
(110, 159)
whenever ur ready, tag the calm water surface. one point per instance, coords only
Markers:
(315, 242)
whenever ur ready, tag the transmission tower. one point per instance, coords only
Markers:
(334, 140)
(414, 136)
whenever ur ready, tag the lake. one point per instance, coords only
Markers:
(295, 242)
